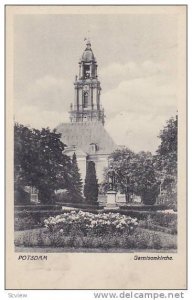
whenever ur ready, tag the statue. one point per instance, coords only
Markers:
(111, 179)
(111, 193)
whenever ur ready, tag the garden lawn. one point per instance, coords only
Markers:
(141, 239)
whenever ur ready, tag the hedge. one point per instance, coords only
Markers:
(37, 207)
(142, 207)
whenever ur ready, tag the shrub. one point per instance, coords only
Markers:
(149, 197)
(81, 205)
(91, 184)
(140, 239)
(62, 197)
(144, 240)
(88, 223)
(21, 196)
(164, 222)
(165, 219)
(143, 207)
(27, 222)
(31, 219)
(37, 207)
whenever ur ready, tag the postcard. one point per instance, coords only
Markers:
(96, 147)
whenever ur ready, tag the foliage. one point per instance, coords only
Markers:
(147, 185)
(62, 197)
(140, 239)
(146, 175)
(169, 196)
(166, 161)
(165, 222)
(123, 163)
(141, 207)
(75, 184)
(91, 184)
(166, 219)
(103, 186)
(167, 151)
(29, 219)
(85, 223)
(26, 222)
(37, 207)
(135, 174)
(21, 196)
(39, 161)
(81, 205)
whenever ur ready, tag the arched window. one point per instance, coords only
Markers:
(86, 71)
(85, 99)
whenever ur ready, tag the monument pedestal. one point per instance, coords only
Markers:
(111, 200)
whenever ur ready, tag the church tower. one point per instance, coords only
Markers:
(87, 106)
(85, 134)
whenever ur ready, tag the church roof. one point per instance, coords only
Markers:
(70, 150)
(84, 134)
(88, 53)
(87, 56)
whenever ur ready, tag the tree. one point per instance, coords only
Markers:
(146, 182)
(22, 138)
(167, 150)
(40, 162)
(135, 174)
(91, 185)
(123, 162)
(75, 185)
(166, 160)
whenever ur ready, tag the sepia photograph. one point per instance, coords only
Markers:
(96, 135)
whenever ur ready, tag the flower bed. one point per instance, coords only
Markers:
(85, 223)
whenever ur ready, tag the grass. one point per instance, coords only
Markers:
(141, 239)
(156, 232)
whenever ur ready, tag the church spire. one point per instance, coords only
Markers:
(87, 105)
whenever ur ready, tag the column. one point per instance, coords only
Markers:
(77, 99)
(91, 97)
(79, 70)
(95, 97)
(80, 98)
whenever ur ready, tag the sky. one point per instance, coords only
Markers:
(137, 66)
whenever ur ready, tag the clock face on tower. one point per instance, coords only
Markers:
(85, 88)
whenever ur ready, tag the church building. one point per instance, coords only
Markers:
(85, 134)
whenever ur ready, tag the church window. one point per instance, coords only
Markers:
(93, 147)
(85, 99)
